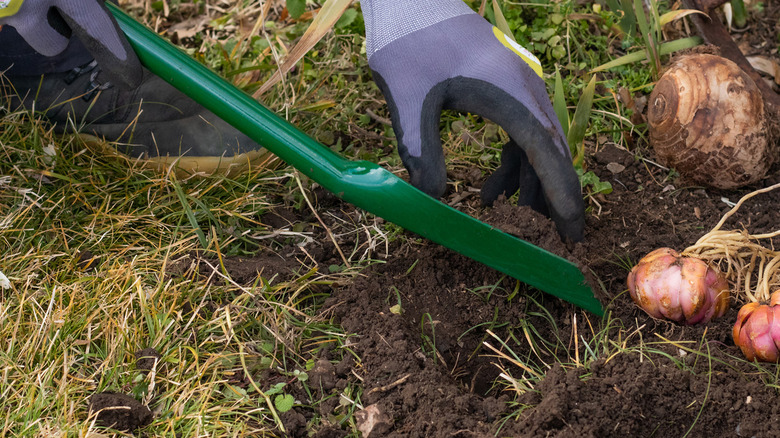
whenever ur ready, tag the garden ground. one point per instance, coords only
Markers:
(262, 304)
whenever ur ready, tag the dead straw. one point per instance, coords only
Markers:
(752, 268)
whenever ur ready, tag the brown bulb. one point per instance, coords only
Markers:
(706, 120)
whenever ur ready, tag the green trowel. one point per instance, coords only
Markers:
(363, 184)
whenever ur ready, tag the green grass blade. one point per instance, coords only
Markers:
(190, 215)
(665, 49)
(580, 122)
(648, 37)
(501, 22)
(740, 13)
(656, 24)
(641, 19)
(559, 103)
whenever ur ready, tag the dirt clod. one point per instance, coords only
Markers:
(146, 359)
(323, 375)
(119, 411)
(373, 421)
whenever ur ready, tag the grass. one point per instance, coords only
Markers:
(70, 332)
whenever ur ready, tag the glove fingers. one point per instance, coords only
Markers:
(515, 173)
(559, 182)
(506, 179)
(43, 39)
(419, 126)
(96, 28)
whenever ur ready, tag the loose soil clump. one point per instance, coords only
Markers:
(438, 335)
(429, 323)
(119, 411)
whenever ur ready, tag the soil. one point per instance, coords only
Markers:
(426, 369)
(119, 411)
(452, 392)
(147, 359)
(425, 320)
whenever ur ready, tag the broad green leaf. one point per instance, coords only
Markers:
(624, 8)
(234, 392)
(327, 17)
(296, 8)
(579, 123)
(284, 402)
(349, 17)
(276, 389)
(666, 48)
(602, 187)
(501, 23)
(591, 179)
(559, 103)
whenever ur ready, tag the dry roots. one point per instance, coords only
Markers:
(746, 261)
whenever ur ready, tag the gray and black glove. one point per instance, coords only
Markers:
(435, 54)
(47, 25)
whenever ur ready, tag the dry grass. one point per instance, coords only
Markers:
(71, 330)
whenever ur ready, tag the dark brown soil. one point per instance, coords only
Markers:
(119, 411)
(426, 370)
(147, 359)
(426, 367)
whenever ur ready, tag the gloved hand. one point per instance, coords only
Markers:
(429, 55)
(47, 25)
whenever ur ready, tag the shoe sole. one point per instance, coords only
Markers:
(186, 166)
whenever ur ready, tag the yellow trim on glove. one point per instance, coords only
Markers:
(521, 51)
(9, 7)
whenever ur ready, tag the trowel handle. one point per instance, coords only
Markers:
(362, 183)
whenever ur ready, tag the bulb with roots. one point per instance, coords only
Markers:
(757, 330)
(682, 289)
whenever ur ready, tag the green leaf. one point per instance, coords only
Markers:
(190, 215)
(559, 103)
(641, 19)
(648, 36)
(602, 187)
(501, 23)
(347, 18)
(296, 8)
(666, 48)
(591, 179)
(580, 122)
(234, 392)
(284, 402)
(276, 389)
(656, 23)
(624, 8)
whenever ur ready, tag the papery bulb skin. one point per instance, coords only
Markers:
(757, 330)
(682, 289)
(706, 119)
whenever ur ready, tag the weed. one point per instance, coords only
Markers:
(429, 340)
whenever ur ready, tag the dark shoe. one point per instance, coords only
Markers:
(154, 122)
